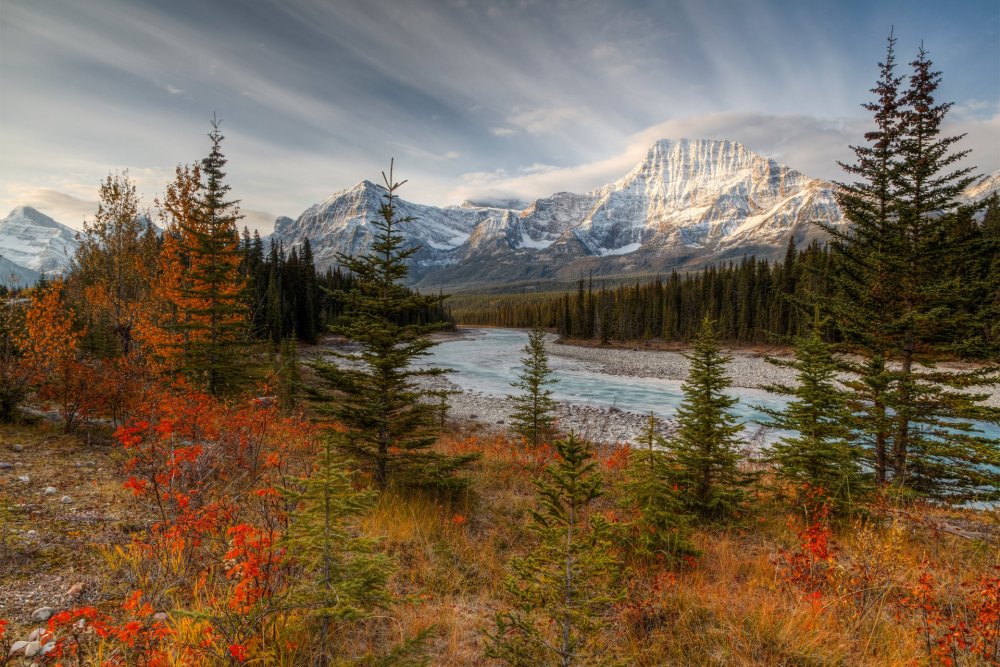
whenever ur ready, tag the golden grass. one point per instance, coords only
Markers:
(735, 606)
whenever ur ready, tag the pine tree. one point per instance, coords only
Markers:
(705, 447)
(563, 586)
(390, 419)
(865, 254)
(661, 530)
(533, 416)
(820, 454)
(203, 324)
(907, 290)
(343, 576)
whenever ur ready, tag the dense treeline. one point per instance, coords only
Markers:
(288, 297)
(752, 301)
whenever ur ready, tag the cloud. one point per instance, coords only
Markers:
(260, 221)
(544, 120)
(807, 144)
(502, 131)
(173, 90)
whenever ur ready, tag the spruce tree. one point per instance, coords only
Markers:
(661, 529)
(908, 290)
(343, 576)
(865, 256)
(533, 416)
(820, 454)
(566, 583)
(390, 418)
(202, 326)
(705, 447)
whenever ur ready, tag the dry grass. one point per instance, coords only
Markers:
(735, 606)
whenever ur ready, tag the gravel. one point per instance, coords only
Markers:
(747, 369)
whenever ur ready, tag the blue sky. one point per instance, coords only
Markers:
(473, 99)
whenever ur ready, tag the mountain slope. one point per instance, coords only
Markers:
(34, 241)
(688, 203)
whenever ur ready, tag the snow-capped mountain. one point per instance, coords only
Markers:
(34, 241)
(687, 203)
(342, 224)
(983, 188)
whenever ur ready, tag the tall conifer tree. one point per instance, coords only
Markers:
(390, 418)
(203, 325)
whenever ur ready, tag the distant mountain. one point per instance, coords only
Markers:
(689, 202)
(984, 188)
(15, 275)
(33, 241)
(342, 224)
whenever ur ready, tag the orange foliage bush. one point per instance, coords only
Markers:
(51, 346)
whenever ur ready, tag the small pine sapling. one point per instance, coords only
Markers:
(706, 445)
(561, 589)
(533, 416)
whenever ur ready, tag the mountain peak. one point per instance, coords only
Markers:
(34, 216)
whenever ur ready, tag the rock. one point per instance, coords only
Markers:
(32, 649)
(160, 617)
(31, 533)
(75, 590)
(17, 648)
(42, 614)
(48, 648)
(40, 635)
(6, 466)
(18, 448)
(66, 500)
(24, 479)
(50, 490)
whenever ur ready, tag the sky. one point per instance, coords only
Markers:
(474, 100)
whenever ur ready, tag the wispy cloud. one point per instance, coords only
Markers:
(525, 97)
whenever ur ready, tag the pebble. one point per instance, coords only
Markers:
(17, 648)
(24, 479)
(42, 614)
(18, 448)
(6, 466)
(66, 500)
(75, 590)
(48, 648)
(160, 617)
(31, 533)
(50, 490)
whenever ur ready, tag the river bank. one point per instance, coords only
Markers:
(748, 370)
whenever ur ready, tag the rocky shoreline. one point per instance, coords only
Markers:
(748, 369)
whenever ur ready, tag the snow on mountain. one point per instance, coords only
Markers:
(15, 275)
(707, 195)
(34, 241)
(342, 224)
(687, 203)
(984, 188)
